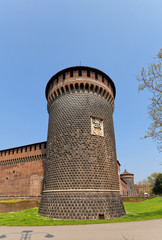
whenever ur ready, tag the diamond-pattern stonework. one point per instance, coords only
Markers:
(80, 179)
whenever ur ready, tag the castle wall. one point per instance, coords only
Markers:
(22, 170)
(123, 188)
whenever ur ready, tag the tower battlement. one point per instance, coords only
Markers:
(80, 79)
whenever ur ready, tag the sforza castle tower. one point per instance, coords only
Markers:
(76, 170)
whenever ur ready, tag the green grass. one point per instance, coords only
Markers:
(136, 211)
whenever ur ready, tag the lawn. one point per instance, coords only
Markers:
(136, 211)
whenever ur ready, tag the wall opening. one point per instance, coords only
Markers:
(71, 74)
(58, 91)
(55, 94)
(76, 86)
(80, 73)
(62, 89)
(88, 73)
(67, 89)
(96, 89)
(101, 216)
(82, 86)
(71, 87)
(92, 87)
(100, 92)
(87, 87)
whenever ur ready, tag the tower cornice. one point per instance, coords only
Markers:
(80, 79)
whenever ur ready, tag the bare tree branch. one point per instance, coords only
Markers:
(151, 79)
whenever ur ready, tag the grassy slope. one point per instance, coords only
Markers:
(136, 211)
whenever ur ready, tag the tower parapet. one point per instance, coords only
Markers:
(80, 79)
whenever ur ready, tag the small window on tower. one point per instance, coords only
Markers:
(96, 76)
(88, 73)
(71, 74)
(80, 73)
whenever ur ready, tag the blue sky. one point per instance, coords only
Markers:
(39, 38)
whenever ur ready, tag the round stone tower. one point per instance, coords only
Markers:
(81, 177)
(129, 179)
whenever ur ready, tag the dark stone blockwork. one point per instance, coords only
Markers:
(81, 179)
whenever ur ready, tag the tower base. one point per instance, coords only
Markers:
(81, 205)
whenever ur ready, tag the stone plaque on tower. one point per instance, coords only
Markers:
(97, 126)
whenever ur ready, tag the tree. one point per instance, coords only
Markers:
(151, 79)
(157, 189)
(147, 185)
(143, 187)
(152, 178)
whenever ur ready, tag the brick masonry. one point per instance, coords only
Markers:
(81, 176)
(18, 206)
(21, 171)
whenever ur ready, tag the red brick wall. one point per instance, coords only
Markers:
(123, 188)
(17, 206)
(21, 171)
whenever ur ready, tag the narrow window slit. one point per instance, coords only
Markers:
(62, 89)
(82, 86)
(88, 73)
(80, 73)
(71, 87)
(76, 86)
(71, 74)
(87, 87)
(96, 76)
